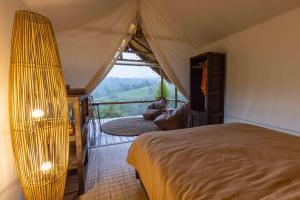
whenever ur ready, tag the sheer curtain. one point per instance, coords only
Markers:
(88, 50)
(171, 48)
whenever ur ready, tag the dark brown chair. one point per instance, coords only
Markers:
(176, 119)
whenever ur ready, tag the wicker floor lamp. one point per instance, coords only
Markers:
(38, 108)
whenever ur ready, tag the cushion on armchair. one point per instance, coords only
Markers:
(176, 119)
(159, 104)
(151, 114)
(155, 109)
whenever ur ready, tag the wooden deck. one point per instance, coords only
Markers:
(98, 138)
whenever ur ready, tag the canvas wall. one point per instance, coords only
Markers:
(263, 73)
(263, 68)
(89, 31)
(9, 186)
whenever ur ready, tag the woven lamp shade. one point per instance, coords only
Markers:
(38, 108)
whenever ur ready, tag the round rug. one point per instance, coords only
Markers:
(132, 126)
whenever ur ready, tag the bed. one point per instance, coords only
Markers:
(228, 161)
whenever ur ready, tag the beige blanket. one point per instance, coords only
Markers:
(230, 161)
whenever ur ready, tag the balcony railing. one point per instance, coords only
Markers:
(98, 105)
(99, 138)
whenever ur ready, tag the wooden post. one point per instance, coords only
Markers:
(161, 82)
(176, 98)
(80, 165)
(99, 118)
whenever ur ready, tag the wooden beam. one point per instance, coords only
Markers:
(180, 101)
(176, 98)
(95, 103)
(138, 52)
(79, 149)
(161, 83)
(139, 65)
(120, 102)
(138, 61)
(142, 45)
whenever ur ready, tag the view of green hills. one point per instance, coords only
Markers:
(113, 89)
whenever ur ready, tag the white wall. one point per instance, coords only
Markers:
(9, 186)
(263, 73)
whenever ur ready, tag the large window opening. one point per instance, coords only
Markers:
(128, 90)
(134, 82)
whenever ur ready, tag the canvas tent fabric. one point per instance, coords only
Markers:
(260, 38)
(89, 32)
(171, 48)
(107, 35)
(140, 45)
(94, 44)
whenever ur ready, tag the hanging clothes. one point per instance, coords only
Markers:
(204, 78)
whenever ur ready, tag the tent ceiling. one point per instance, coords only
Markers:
(139, 43)
(68, 14)
(146, 56)
(77, 22)
(205, 21)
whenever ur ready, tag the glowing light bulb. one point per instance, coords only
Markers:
(45, 166)
(37, 113)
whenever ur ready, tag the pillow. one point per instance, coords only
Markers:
(160, 104)
(151, 114)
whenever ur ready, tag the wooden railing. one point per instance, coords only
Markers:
(96, 103)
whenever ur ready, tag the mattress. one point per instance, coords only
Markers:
(228, 161)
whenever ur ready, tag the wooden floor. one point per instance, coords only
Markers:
(98, 138)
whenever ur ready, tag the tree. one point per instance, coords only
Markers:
(165, 93)
(110, 111)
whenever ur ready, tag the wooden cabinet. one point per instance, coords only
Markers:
(207, 103)
(78, 156)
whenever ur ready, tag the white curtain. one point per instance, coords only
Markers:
(171, 48)
(87, 51)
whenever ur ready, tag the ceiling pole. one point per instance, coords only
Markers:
(138, 61)
(138, 52)
(139, 64)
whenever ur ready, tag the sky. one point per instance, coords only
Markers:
(123, 71)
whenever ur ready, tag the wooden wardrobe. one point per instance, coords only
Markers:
(207, 96)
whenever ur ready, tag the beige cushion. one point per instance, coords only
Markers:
(160, 104)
